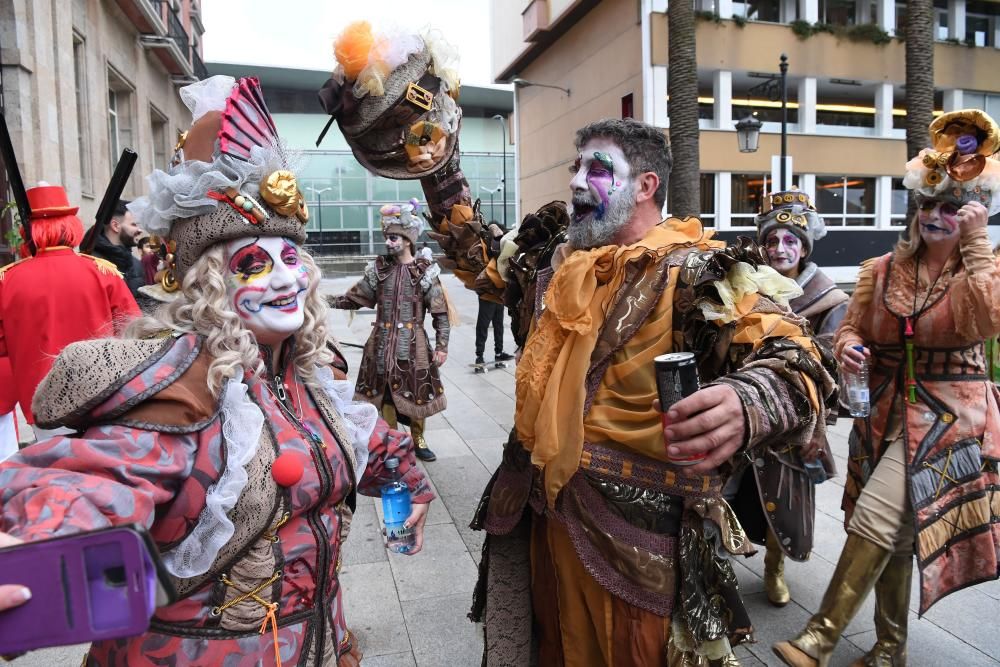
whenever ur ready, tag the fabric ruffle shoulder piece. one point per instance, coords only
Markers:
(88, 373)
(242, 424)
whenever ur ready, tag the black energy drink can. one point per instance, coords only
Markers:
(676, 377)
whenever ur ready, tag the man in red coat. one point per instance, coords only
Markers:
(57, 297)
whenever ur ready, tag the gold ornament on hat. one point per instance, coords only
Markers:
(933, 177)
(280, 189)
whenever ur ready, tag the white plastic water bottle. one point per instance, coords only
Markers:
(856, 386)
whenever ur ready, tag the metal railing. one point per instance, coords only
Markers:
(200, 70)
(175, 30)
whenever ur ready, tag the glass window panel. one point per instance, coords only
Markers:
(747, 192)
(992, 106)
(324, 217)
(830, 195)
(859, 222)
(859, 195)
(384, 190)
(707, 189)
(355, 217)
(355, 189)
(899, 197)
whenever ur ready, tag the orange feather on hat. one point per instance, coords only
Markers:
(353, 47)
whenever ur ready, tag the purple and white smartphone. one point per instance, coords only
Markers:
(86, 587)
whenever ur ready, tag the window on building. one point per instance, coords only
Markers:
(628, 110)
(846, 201)
(838, 12)
(759, 10)
(977, 23)
(941, 19)
(707, 190)
(746, 193)
(82, 115)
(120, 117)
(158, 127)
(845, 111)
(983, 101)
(900, 196)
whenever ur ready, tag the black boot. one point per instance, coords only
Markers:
(421, 449)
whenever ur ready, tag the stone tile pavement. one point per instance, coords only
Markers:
(411, 611)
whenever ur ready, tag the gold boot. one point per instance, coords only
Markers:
(422, 451)
(389, 414)
(774, 572)
(892, 609)
(861, 562)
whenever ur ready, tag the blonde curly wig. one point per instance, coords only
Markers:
(203, 309)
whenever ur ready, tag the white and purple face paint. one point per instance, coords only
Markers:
(938, 220)
(784, 249)
(266, 283)
(602, 194)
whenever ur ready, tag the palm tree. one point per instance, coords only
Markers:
(919, 78)
(682, 87)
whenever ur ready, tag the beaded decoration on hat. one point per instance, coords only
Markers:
(959, 167)
(792, 210)
(402, 219)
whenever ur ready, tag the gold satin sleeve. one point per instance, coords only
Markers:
(975, 296)
(849, 331)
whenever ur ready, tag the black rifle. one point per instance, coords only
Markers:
(16, 184)
(113, 193)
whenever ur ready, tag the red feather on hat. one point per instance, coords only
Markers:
(246, 122)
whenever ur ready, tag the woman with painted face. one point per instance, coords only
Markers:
(399, 371)
(788, 227)
(218, 425)
(923, 468)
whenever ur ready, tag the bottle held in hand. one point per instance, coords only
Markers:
(677, 377)
(856, 388)
(396, 508)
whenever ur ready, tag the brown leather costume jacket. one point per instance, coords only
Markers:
(397, 357)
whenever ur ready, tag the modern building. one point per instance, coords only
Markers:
(343, 198)
(83, 79)
(846, 92)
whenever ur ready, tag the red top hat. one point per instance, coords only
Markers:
(49, 201)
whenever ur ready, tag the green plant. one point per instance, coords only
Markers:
(828, 28)
(739, 21)
(868, 32)
(708, 16)
(952, 40)
(12, 237)
(802, 29)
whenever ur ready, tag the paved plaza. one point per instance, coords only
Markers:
(411, 611)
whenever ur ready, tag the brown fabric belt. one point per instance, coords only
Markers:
(642, 471)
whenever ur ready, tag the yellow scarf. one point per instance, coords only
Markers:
(550, 391)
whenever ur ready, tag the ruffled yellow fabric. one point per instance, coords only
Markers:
(742, 281)
(550, 391)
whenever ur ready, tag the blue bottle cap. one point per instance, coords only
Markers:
(859, 348)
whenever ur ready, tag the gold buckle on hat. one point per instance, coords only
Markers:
(419, 96)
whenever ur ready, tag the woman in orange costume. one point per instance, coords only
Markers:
(922, 474)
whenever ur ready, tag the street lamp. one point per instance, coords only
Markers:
(748, 134)
(319, 210)
(493, 191)
(503, 180)
(748, 129)
(521, 83)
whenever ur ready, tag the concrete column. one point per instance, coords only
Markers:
(886, 15)
(723, 200)
(953, 100)
(659, 97)
(807, 105)
(726, 9)
(956, 19)
(883, 202)
(995, 23)
(807, 183)
(722, 91)
(883, 109)
(809, 10)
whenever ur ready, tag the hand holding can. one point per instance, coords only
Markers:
(676, 378)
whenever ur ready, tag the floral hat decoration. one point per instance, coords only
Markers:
(230, 177)
(394, 96)
(402, 219)
(959, 167)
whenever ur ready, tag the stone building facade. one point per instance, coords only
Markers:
(84, 79)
